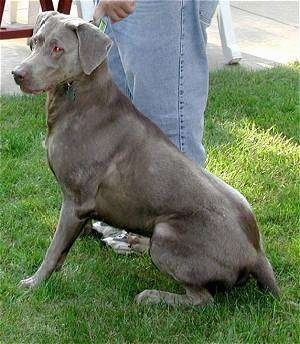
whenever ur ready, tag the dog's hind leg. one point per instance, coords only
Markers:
(191, 298)
(168, 253)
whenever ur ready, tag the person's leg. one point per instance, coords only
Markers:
(115, 64)
(162, 49)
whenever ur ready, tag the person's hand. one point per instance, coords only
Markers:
(116, 10)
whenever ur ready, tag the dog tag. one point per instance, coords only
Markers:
(70, 92)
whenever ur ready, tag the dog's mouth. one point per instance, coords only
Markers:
(35, 91)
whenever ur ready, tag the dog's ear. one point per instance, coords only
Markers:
(94, 45)
(42, 18)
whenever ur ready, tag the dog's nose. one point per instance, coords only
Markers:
(19, 76)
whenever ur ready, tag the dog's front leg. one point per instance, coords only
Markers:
(68, 228)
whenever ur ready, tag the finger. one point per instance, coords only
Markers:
(114, 16)
(121, 13)
(128, 6)
(132, 5)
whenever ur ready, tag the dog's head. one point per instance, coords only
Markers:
(63, 47)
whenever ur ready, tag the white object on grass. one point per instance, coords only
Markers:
(121, 241)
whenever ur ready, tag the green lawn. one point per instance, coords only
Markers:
(252, 138)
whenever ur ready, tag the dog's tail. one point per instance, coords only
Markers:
(263, 272)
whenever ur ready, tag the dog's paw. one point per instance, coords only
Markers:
(138, 243)
(30, 282)
(148, 297)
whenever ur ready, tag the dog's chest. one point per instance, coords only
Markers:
(67, 160)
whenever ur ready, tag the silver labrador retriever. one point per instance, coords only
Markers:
(115, 165)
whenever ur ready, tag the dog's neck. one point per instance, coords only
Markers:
(76, 93)
(98, 80)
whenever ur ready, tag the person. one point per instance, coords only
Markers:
(159, 60)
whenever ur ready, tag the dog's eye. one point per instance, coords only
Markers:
(58, 50)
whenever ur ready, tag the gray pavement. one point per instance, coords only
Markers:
(267, 33)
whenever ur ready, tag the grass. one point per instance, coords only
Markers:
(252, 137)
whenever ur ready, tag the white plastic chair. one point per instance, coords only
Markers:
(85, 9)
(33, 10)
(230, 48)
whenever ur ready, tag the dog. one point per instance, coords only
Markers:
(114, 164)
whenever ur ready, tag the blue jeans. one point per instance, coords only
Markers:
(159, 60)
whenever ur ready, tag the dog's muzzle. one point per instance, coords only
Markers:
(19, 76)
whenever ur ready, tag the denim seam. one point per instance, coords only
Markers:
(180, 82)
(127, 90)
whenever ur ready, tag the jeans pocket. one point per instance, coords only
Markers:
(206, 10)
